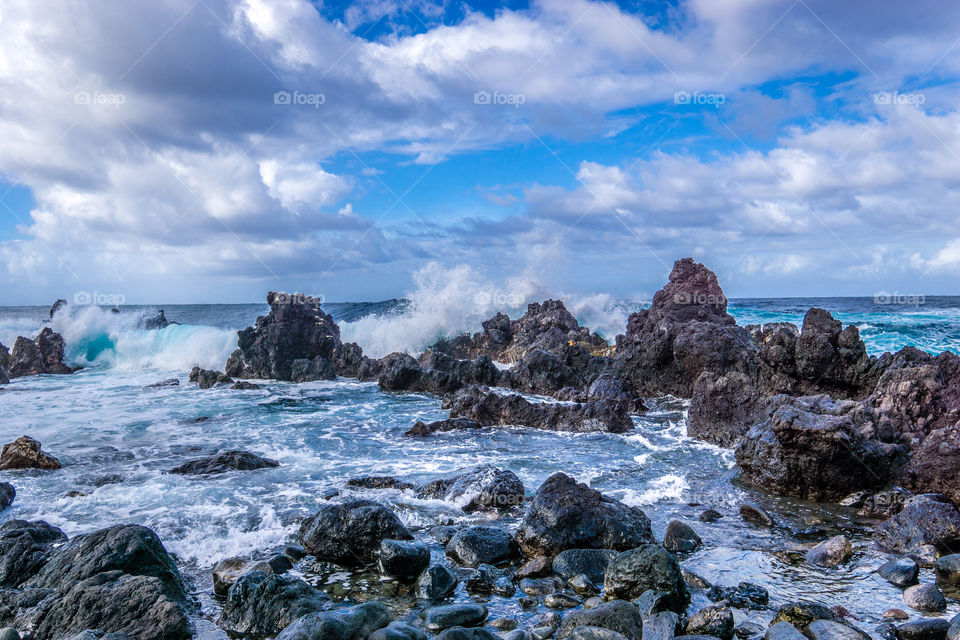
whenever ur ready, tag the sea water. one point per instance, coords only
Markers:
(117, 438)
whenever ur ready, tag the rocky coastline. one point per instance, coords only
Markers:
(806, 412)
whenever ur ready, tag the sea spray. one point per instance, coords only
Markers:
(98, 337)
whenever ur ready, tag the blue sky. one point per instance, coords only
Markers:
(797, 147)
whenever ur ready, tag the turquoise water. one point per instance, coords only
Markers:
(116, 439)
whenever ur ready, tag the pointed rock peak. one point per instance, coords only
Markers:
(693, 293)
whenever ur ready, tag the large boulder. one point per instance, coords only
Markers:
(403, 559)
(260, 605)
(566, 514)
(649, 567)
(924, 520)
(295, 329)
(617, 615)
(24, 548)
(208, 379)
(358, 622)
(136, 605)
(435, 373)
(349, 534)
(811, 448)
(490, 408)
(474, 546)
(25, 453)
(43, 354)
(486, 487)
(224, 462)
(685, 332)
(128, 548)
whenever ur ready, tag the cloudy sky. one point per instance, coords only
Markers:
(207, 150)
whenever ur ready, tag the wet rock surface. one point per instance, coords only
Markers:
(224, 462)
(350, 534)
(26, 453)
(565, 514)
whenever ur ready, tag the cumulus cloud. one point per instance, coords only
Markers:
(181, 138)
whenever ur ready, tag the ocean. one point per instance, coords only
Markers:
(116, 439)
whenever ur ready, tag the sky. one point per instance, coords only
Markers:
(187, 151)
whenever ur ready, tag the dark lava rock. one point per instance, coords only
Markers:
(680, 537)
(7, 494)
(490, 408)
(924, 629)
(540, 586)
(358, 622)
(24, 548)
(712, 621)
(436, 373)
(259, 605)
(934, 463)
(948, 569)
(925, 597)
(139, 606)
(755, 514)
(486, 487)
(466, 633)
(883, 504)
(685, 332)
(436, 583)
(783, 631)
(453, 615)
(131, 549)
(226, 572)
(710, 515)
(421, 428)
(169, 382)
(546, 326)
(243, 385)
(565, 514)
(536, 568)
(587, 632)
(44, 354)
(474, 546)
(617, 615)
(224, 462)
(397, 631)
(924, 520)
(207, 379)
(648, 567)
(830, 553)
(801, 614)
(25, 453)
(296, 342)
(403, 559)
(829, 630)
(723, 408)
(661, 626)
(810, 448)
(378, 482)
(350, 534)
(745, 595)
(900, 572)
(590, 562)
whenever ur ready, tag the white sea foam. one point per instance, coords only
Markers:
(667, 487)
(447, 302)
(99, 337)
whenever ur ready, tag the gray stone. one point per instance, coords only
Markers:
(712, 621)
(680, 537)
(923, 629)
(616, 615)
(900, 572)
(446, 616)
(648, 567)
(925, 597)
(948, 569)
(436, 583)
(829, 630)
(474, 546)
(592, 562)
(358, 622)
(830, 553)
(661, 626)
(783, 631)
